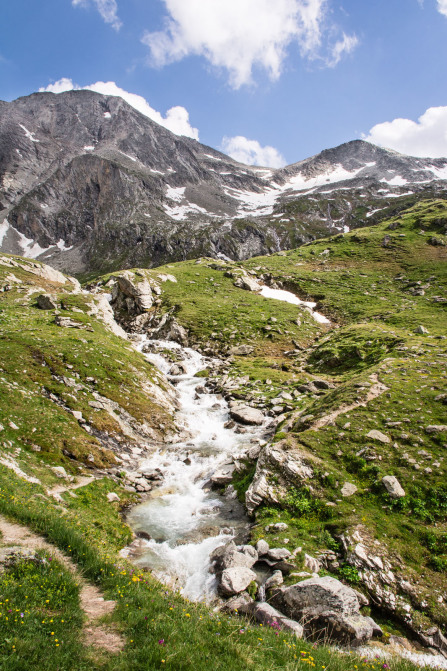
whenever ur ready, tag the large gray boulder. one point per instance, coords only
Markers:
(246, 415)
(136, 287)
(327, 609)
(235, 580)
(228, 556)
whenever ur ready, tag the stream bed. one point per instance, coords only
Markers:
(184, 517)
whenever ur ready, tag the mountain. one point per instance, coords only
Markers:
(89, 184)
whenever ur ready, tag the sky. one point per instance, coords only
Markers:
(269, 82)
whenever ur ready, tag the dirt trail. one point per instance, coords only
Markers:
(57, 490)
(92, 602)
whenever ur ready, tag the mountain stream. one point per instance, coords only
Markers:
(184, 518)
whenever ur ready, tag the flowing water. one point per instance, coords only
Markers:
(185, 519)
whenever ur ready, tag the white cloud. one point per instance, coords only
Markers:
(442, 7)
(344, 46)
(425, 137)
(107, 8)
(176, 119)
(238, 35)
(251, 152)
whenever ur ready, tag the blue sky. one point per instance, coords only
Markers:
(269, 81)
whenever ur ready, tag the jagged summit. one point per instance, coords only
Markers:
(89, 183)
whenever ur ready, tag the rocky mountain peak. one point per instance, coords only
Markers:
(88, 182)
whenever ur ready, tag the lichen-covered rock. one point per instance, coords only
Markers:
(229, 556)
(136, 287)
(267, 615)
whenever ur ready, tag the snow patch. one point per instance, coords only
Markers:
(214, 158)
(107, 115)
(180, 212)
(62, 245)
(28, 134)
(31, 249)
(89, 148)
(132, 158)
(175, 193)
(4, 228)
(288, 297)
(395, 181)
(439, 173)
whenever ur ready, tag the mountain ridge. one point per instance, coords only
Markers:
(89, 184)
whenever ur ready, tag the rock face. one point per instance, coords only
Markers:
(390, 588)
(326, 605)
(94, 182)
(291, 467)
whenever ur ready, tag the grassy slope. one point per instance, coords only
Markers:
(46, 372)
(162, 630)
(363, 284)
(91, 529)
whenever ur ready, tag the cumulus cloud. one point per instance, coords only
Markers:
(442, 7)
(238, 35)
(107, 8)
(176, 119)
(425, 137)
(251, 152)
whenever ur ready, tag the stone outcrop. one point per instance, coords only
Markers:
(290, 466)
(326, 609)
(390, 586)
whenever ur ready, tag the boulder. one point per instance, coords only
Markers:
(246, 415)
(228, 556)
(46, 302)
(235, 580)
(170, 329)
(238, 603)
(60, 472)
(276, 554)
(311, 563)
(248, 283)
(224, 475)
(111, 497)
(328, 609)
(275, 580)
(241, 350)
(393, 487)
(269, 616)
(277, 526)
(262, 547)
(348, 489)
(177, 369)
(137, 288)
(436, 428)
(378, 435)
